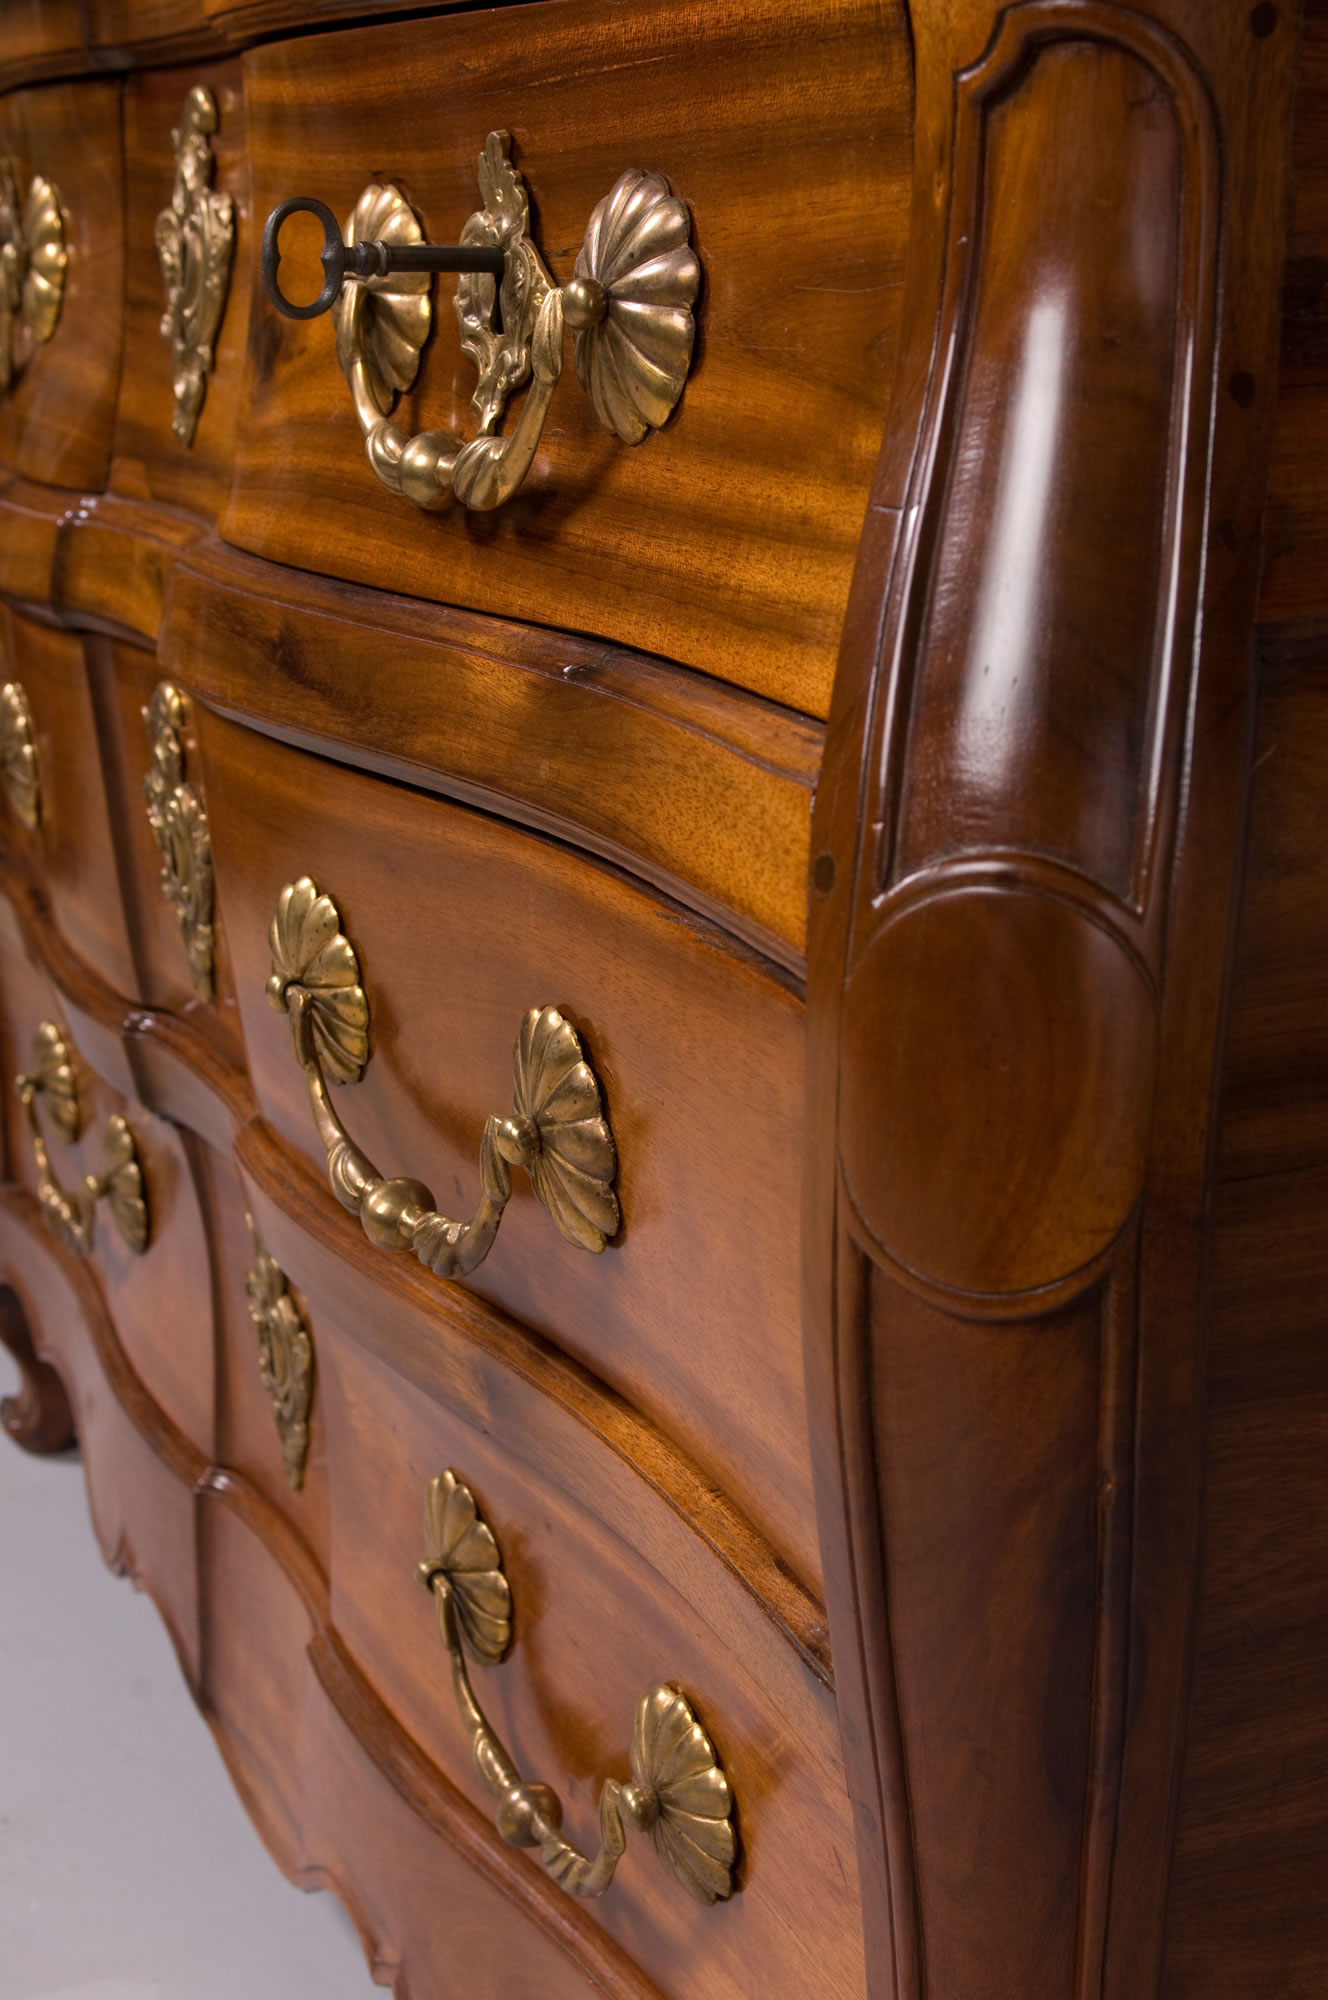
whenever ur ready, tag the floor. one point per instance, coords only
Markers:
(128, 1869)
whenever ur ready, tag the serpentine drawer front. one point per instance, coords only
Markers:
(680, 544)
(663, 937)
(415, 1030)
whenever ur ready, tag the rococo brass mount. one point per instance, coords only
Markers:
(33, 263)
(678, 1792)
(72, 1217)
(195, 244)
(285, 1356)
(557, 1130)
(629, 305)
(179, 823)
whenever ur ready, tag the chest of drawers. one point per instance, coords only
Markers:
(795, 809)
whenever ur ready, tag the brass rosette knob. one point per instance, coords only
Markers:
(557, 1130)
(678, 1792)
(629, 305)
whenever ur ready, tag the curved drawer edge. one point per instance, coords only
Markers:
(177, 1073)
(698, 788)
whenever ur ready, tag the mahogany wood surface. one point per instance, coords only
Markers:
(702, 791)
(596, 1627)
(1044, 1439)
(1025, 854)
(1252, 1834)
(72, 845)
(697, 1047)
(150, 462)
(698, 543)
(56, 421)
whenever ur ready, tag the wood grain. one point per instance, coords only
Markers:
(170, 1350)
(1040, 728)
(691, 1314)
(450, 1343)
(56, 420)
(703, 791)
(1296, 533)
(345, 1800)
(727, 541)
(73, 847)
(1250, 1889)
(598, 1625)
(149, 461)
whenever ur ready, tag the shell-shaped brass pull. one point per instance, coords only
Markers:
(629, 304)
(557, 1129)
(678, 1792)
(72, 1216)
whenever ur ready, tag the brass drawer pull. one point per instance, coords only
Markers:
(629, 305)
(678, 1792)
(33, 262)
(120, 1182)
(558, 1131)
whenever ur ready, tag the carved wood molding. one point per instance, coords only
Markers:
(1024, 856)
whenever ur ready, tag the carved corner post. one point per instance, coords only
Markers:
(1025, 855)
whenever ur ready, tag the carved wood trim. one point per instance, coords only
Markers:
(1024, 849)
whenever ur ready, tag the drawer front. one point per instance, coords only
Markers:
(608, 1601)
(55, 805)
(167, 1260)
(57, 415)
(180, 397)
(727, 539)
(461, 925)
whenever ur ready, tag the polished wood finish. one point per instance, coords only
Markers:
(1027, 839)
(695, 543)
(697, 1047)
(150, 463)
(702, 791)
(1042, 1450)
(72, 846)
(56, 421)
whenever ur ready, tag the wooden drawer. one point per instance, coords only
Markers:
(189, 468)
(57, 417)
(461, 925)
(170, 1351)
(58, 817)
(613, 1593)
(725, 541)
